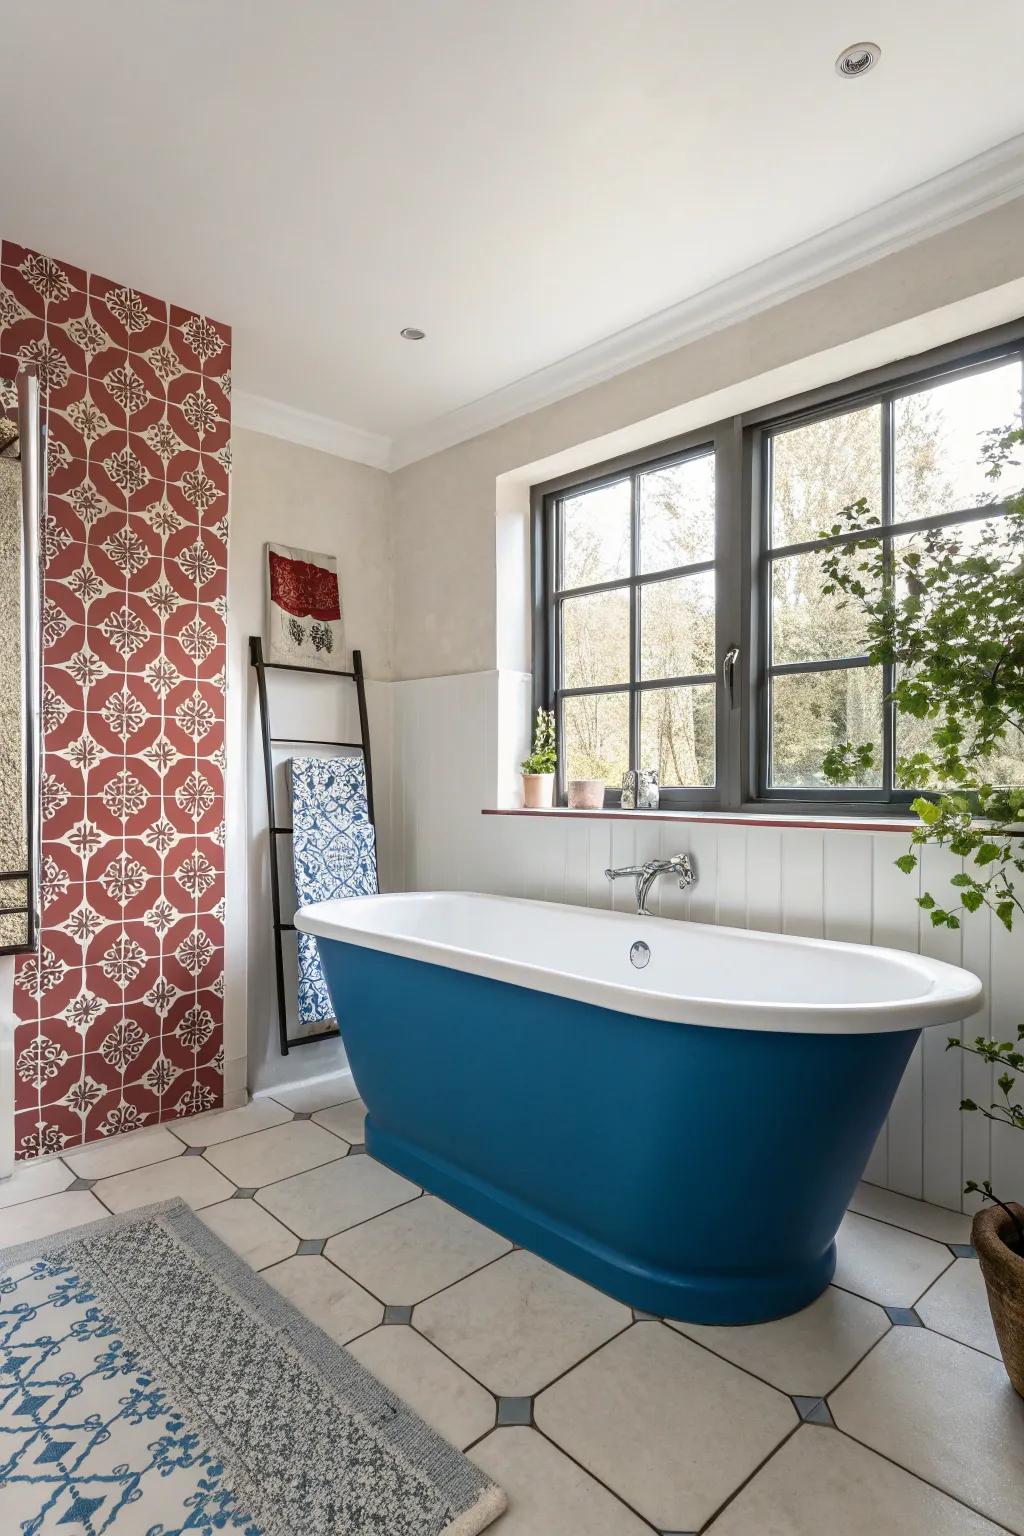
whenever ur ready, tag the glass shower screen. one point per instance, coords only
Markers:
(21, 505)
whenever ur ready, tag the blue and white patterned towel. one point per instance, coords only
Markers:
(334, 853)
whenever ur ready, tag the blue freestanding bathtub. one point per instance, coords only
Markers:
(684, 1136)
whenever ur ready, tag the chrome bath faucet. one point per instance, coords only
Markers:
(645, 875)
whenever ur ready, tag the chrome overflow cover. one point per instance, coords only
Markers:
(640, 954)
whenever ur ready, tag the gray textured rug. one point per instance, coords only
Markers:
(149, 1380)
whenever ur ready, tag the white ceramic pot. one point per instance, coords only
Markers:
(586, 794)
(538, 791)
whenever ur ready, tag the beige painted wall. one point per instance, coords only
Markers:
(448, 583)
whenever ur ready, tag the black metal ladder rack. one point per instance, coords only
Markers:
(274, 829)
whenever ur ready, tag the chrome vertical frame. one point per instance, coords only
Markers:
(33, 491)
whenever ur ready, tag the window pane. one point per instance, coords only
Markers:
(677, 734)
(815, 711)
(595, 737)
(677, 626)
(595, 639)
(1005, 770)
(939, 437)
(595, 535)
(677, 515)
(821, 468)
(806, 626)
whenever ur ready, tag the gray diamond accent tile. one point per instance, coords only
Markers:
(645, 1317)
(193, 1152)
(244, 1194)
(903, 1317)
(302, 1115)
(962, 1250)
(311, 1245)
(354, 1151)
(80, 1184)
(813, 1410)
(514, 1410)
(393, 1314)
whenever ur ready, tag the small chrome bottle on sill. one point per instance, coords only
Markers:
(640, 790)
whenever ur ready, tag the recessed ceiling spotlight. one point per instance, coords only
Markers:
(412, 333)
(857, 60)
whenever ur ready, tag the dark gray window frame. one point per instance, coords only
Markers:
(743, 570)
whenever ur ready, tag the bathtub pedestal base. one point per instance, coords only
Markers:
(736, 1297)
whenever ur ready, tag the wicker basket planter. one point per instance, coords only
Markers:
(1003, 1270)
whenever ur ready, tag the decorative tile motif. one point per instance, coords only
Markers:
(334, 855)
(122, 1010)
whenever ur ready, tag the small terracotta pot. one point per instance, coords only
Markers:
(1004, 1280)
(538, 791)
(586, 794)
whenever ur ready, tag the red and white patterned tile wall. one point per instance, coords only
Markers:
(122, 1010)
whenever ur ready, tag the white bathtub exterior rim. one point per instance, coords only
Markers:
(719, 977)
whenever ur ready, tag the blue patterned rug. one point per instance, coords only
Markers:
(151, 1384)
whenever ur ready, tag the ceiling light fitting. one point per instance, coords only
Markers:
(412, 333)
(857, 60)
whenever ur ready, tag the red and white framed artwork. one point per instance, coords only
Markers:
(304, 624)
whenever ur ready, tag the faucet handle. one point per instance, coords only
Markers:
(682, 863)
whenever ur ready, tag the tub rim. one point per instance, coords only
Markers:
(953, 994)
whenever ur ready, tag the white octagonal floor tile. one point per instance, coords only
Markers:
(333, 1301)
(885, 1264)
(225, 1124)
(278, 1153)
(33, 1180)
(548, 1495)
(328, 1199)
(443, 1396)
(915, 1215)
(821, 1483)
(190, 1177)
(103, 1159)
(957, 1304)
(669, 1427)
(411, 1252)
(310, 1098)
(805, 1354)
(519, 1323)
(946, 1413)
(251, 1231)
(40, 1218)
(344, 1120)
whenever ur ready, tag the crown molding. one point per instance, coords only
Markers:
(967, 190)
(258, 414)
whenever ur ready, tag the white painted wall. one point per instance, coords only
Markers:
(451, 748)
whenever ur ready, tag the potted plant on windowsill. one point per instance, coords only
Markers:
(946, 614)
(538, 769)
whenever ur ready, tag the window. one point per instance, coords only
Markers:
(630, 623)
(912, 457)
(651, 574)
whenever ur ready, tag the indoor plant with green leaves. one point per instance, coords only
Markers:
(944, 610)
(538, 769)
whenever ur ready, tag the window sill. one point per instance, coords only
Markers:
(755, 817)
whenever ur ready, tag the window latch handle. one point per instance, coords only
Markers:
(729, 661)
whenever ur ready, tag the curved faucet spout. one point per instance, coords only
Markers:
(645, 875)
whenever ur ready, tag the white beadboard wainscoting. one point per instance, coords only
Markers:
(456, 745)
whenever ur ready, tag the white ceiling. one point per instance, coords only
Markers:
(520, 178)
